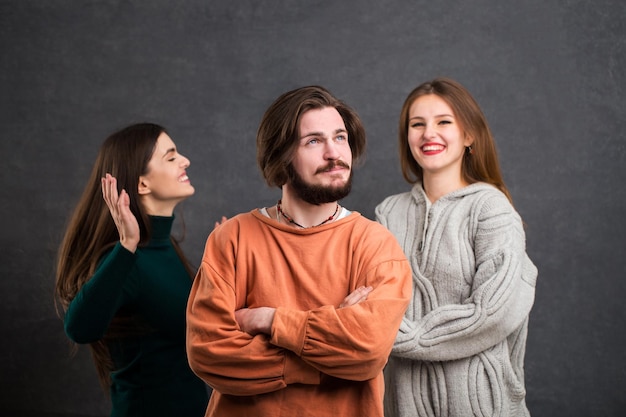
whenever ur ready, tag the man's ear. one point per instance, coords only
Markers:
(143, 188)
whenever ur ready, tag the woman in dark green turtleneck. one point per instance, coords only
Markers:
(123, 280)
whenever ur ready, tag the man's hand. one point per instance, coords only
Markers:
(255, 320)
(259, 320)
(356, 296)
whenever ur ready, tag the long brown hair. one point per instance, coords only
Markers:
(91, 230)
(277, 136)
(482, 164)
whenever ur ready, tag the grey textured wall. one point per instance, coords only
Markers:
(549, 75)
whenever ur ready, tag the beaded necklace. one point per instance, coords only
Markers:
(292, 221)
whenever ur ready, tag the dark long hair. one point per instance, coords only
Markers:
(91, 230)
(482, 164)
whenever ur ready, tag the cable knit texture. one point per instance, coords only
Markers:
(460, 348)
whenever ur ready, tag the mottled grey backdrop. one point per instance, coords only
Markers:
(549, 75)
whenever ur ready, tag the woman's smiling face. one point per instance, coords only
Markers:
(166, 182)
(435, 137)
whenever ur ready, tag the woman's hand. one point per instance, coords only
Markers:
(220, 222)
(119, 206)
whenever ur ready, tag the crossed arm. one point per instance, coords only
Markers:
(259, 320)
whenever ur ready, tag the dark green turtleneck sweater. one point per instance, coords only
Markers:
(150, 288)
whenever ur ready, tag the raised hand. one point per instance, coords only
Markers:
(119, 206)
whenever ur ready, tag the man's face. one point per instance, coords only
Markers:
(321, 169)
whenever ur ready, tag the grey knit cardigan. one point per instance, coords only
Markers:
(460, 348)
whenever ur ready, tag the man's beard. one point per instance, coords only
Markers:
(318, 194)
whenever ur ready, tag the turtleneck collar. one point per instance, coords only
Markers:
(161, 227)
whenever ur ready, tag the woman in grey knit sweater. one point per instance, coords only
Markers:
(460, 349)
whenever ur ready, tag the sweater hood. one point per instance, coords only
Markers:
(418, 193)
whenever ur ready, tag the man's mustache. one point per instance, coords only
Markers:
(332, 165)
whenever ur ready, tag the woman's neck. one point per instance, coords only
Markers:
(157, 207)
(436, 186)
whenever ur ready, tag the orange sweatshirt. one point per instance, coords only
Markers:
(320, 360)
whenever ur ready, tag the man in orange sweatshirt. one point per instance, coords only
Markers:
(295, 307)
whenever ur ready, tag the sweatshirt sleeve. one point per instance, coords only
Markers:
(500, 301)
(228, 359)
(89, 314)
(351, 343)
